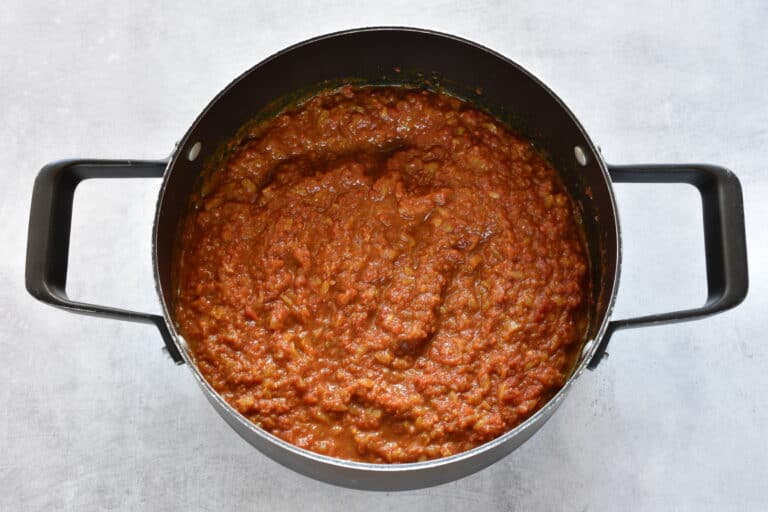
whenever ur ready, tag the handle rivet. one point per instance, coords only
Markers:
(580, 155)
(194, 151)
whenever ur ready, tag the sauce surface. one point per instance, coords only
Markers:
(383, 275)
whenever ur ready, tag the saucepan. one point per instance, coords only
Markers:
(396, 56)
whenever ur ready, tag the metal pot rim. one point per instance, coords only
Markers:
(588, 351)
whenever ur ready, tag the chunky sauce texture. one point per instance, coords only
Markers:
(383, 275)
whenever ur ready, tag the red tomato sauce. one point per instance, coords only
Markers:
(383, 275)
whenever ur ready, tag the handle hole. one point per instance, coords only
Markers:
(663, 265)
(110, 252)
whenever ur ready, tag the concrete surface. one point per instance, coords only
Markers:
(95, 417)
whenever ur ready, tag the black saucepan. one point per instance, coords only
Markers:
(401, 56)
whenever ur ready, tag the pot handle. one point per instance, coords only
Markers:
(724, 239)
(49, 230)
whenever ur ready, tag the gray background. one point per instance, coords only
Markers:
(93, 414)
